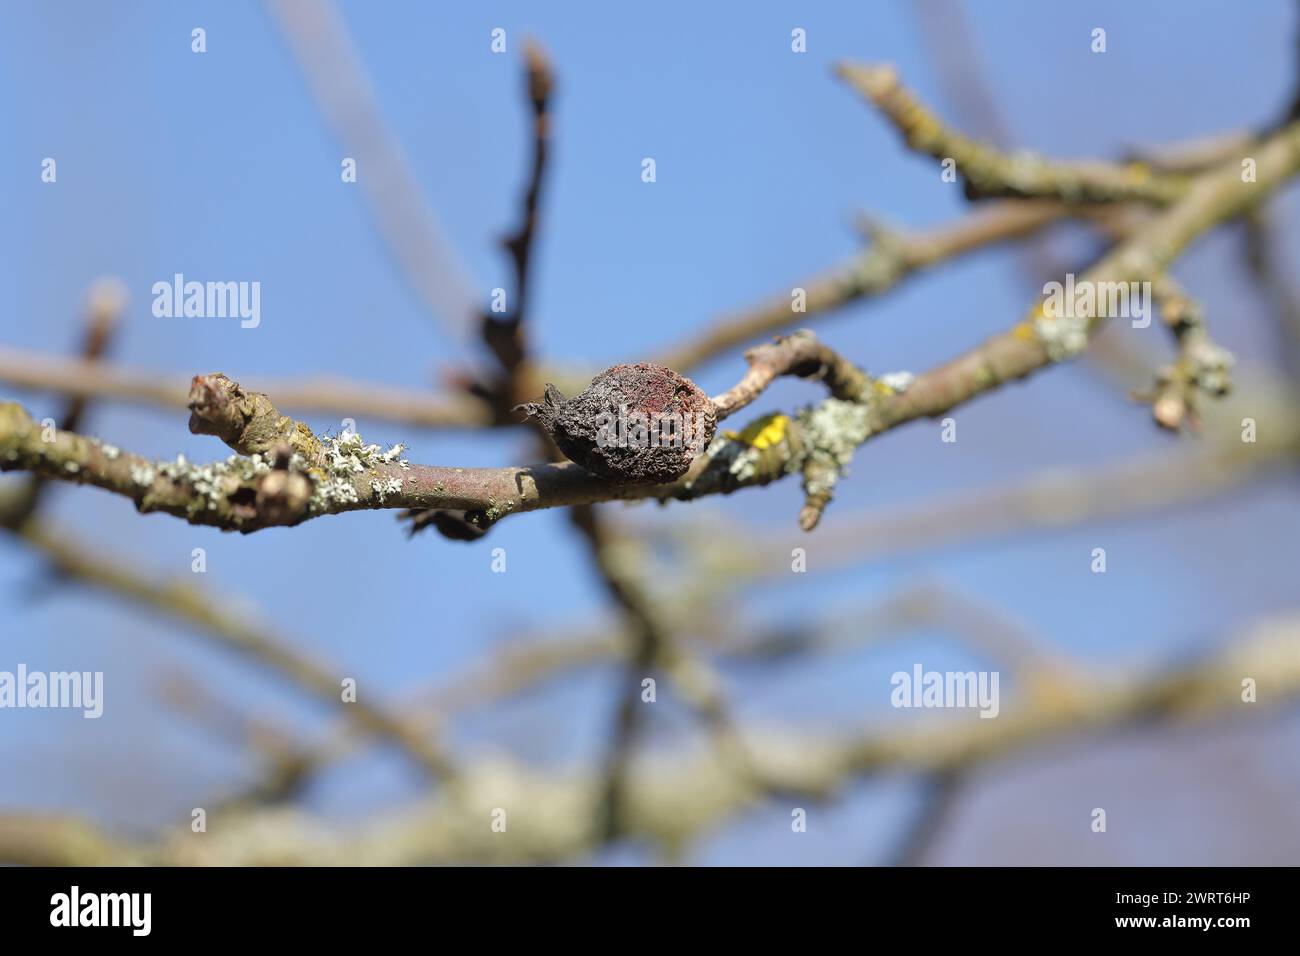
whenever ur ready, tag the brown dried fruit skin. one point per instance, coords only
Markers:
(574, 424)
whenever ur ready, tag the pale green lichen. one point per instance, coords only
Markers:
(832, 432)
(331, 492)
(836, 428)
(819, 442)
(821, 474)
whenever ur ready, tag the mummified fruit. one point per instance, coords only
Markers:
(634, 424)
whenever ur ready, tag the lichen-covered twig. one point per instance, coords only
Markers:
(1046, 501)
(1214, 197)
(824, 438)
(283, 474)
(990, 172)
(286, 474)
(75, 560)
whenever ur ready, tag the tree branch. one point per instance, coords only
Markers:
(335, 397)
(891, 256)
(989, 172)
(679, 796)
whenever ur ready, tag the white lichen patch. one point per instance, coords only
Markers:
(210, 483)
(333, 476)
(394, 454)
(897, 381)
(350, 455)
(385, 487)
(744, 462)
(345, 457)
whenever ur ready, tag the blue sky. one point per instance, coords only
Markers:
(220, 166)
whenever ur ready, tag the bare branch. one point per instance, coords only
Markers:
(335, 397)
(891, 257)
(988, 172)
(802, 356)
(505, 335)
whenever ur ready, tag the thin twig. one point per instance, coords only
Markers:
(337, 79)
(324, 396)
(990, 172)
(891, 256)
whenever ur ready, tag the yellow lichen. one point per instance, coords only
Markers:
(1025, 331)
(762, 433)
